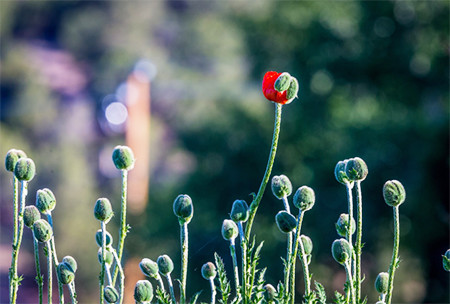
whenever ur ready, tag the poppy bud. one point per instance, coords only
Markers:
(70, 261)
(65, 273)
(148, 267)
(271, 92)
(12, 157)
(209, 271)
(382, 282)
(165, 264)
(239, 211)
(304, 198)
(111, 294)
(307, 244)
(99, 238)
(109, 257)
(229, 230)
(45, 200)
(123, 158)
(342, 225)
(30, 215)
(25, 169)
(143, 291)
(356, 169)
(42, 231)
(103, 210)
(341, 251)
(282, 82)
(446, 260)
(281, 186)
(339, 172)
(183, 208)
(394, 193)
(292, 91)
(269, 292)
(286, 222)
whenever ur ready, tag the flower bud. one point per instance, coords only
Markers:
(282, 83)
(394, 193)
(30, 215)
(183, 208)
(103, 210)
(304, 198)
(209, 271)
(446, 260)
(42, 231)
(123, 158)
(165, 264)
(382, 282)
(229, 230)
(111, 294)
(307, 244)
(239, 211)
(65, 273)
(70, 261)
(12, 157)
(25, 169)
(342, 225)
(99, 238)
(339, 172)
(356, 169)
(269, 292)
(109, 257)
(286, 222)
(292, 91)
(341, 251)
(143, 291)
(281, 186)
(148, 267)
(45, 200)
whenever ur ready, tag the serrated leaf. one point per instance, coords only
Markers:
(195, 297)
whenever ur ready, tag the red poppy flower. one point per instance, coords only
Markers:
(269, 91)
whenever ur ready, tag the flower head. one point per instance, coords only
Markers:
(279, 87)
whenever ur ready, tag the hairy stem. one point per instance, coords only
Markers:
(213, 291)
(244, 262)
(293, 260)
(122, 276)
(235, 268)
(13, 269)
(39, 279)
(394, 261)
(123, 225)
(55, 258)
(184, 259)
(73, 294)
(49, 272)
(350, 280)
(169, 282)
(102, 272)
(358, 244)
(287, 270)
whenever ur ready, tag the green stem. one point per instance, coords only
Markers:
(122, 276)
(157, 277)
(273, 150)
(102, 272)
(293, 260)
(358, 244)
(13, 269)
(39, 279)
(213, 291)
(123, 219)
(55, 258)
(350, 280)
(235, 268)
(73, 294)
(394, 261)
(244, 262)
(169, 282)
(287, 270)
(49, 272)
(349, 187)
(184, 259)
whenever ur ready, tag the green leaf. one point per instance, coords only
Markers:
(195, 297)
(321, 296)
(224, 285)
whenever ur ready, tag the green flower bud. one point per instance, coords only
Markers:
(270, 292)
(143, 291)
(281, 186)
(239, 211)
(229, 230)
(12, 157)
(45, 200)
(25, 169)
(282, 83)
(341, 251)
(342, 225)
(109, 257)
(446, 260)
(65, 273)
(286, 222)
(292, 91)
(42, 231)
(103, 210)
(183, 208)
(165, 264)
(356, 169)
(339, 172)
(382, 282)
(209, 271)
(30, 215)
(148, 267)
(111, 294)
(394, 193)
(123, 158)
(304, 198)
(307, 244)
(99, 238)
(70, 261)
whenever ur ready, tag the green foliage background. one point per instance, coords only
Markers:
(374, 79)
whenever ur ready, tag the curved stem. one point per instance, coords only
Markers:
(235, 267)
(350, 280)
(358, 244)
(55, 258)
(293, 260)
(213, 291)
(157, 277)
(184, 259)
(123, 225)
(102, 272)
(13, 269)
(39, 279)
(244, 261)
(395, 260)
(122, 276)
(349, 187)
(73, 294)
(49, 272)
(172, 294)
(287, 270)
(273, 150)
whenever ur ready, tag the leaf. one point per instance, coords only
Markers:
(321, 296)
(162, 296)
(195, 297)
(224, 284)
(339, 298)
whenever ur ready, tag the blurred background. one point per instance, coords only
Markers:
(180, 82)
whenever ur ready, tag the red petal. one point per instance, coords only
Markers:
(268, 88)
